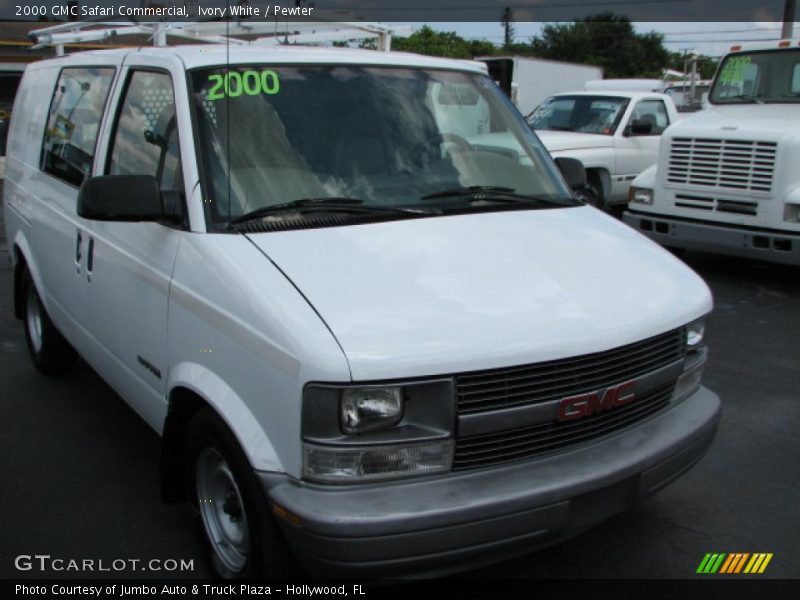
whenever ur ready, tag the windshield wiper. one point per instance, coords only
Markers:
(498, 194)
(337, 203)
(473, 190)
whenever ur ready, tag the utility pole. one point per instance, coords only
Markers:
(788, 18)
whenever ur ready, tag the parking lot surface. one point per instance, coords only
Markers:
(79, 471)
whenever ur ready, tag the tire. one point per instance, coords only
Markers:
(50, 352)
(239, 533)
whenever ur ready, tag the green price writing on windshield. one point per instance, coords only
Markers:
(252, 83)
(734, 70)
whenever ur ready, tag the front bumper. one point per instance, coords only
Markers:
(436, 525)
(778, 247)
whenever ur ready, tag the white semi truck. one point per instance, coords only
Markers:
(727, 179)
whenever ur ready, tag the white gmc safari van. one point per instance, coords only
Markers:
(367, 343)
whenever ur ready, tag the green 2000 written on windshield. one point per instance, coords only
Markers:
(234, 84)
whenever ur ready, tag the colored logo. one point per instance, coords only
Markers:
(734, 563)
(584, 405)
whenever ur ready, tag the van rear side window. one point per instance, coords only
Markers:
(74, 120)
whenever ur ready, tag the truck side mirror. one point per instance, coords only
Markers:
(121, 198)
(640, 127)
(573, 171)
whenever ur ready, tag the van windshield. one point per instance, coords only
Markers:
(385, 138)
(756, 77)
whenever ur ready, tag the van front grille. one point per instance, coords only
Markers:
(515, 444)
(495, 389)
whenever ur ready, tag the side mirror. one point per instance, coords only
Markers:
(573, 171)
(640, 127)
(122, 198)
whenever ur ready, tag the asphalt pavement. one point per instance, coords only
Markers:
(79, 471)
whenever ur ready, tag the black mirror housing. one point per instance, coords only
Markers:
(641, 127)
(120, 198)
(573, 171)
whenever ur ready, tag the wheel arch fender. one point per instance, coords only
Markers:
(647, 178)
(22, 257)
(192, 386)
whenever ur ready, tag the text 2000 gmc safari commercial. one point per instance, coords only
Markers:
(369, 344)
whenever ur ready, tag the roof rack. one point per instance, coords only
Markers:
(266, 33)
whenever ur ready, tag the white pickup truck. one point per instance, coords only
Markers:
(615, 135)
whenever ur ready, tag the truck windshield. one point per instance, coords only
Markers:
(381, 138)
(583, 114)
(756, 77)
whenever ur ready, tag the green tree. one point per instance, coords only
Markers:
(441, 43)
(606, 40)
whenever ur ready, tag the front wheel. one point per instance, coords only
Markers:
(240, 534)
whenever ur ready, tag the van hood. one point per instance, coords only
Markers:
(556, 141)
(451, 294)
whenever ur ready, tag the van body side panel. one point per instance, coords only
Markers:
(238, 326)
(41, 210)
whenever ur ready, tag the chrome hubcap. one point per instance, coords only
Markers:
(222, 509)
(34, 318)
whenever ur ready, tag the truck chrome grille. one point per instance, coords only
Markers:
(740, 165)
(495, 389)
(515, 444)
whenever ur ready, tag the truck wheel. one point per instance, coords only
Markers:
(241, 538)
(51, 353)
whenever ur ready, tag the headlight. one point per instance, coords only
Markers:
(695, 335)
(696, 354)
(689, 382)
(358, 432)
(330, 464)
(640, 195)
(368, 409)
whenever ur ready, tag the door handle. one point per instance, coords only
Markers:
(78, 244)
(90, 259)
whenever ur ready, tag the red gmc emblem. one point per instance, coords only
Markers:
(583, 405)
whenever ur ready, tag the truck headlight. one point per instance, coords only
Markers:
(696, 354)
(689, 381)
(696, 335)
(333, 464)
(368, 409)
(791, 213)
(640, 195)
(354, 432)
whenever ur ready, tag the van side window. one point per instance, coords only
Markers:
(76, 111)
(146, 134)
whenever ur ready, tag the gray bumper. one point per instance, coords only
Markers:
(769, 246)
(440, 524)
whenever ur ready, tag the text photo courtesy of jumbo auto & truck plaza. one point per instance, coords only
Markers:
(376, 298)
